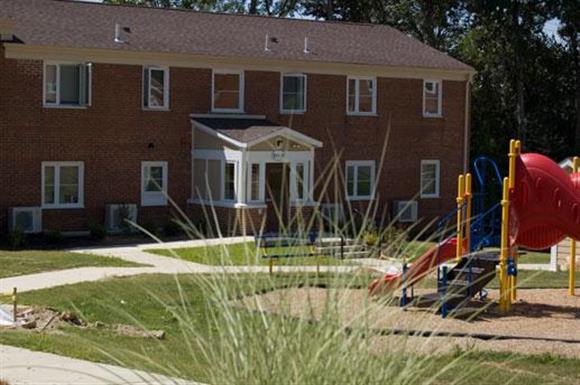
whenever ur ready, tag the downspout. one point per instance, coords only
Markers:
(466, 128)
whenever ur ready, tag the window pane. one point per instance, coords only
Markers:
(157, 88)
(428, 179)
(365, 104)
(293, 93)
(293, 84)
(50, 84)
(227, 91)
(69, 185)
(49, 185)
(364, 181)
(432, 96)
(255, 184)
(229, 182)
(350, 180)
(365, 95)
(69, 84)
(154, 179)
(352, 95)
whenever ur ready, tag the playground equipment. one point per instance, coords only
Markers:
(540, 206)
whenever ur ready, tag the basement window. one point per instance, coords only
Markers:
(67, 85)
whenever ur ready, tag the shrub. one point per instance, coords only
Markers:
(54, 237)
(17, 239)
(172, 229)
(97, 230)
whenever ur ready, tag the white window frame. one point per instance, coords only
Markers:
(437, 164)
(81, 176)
(58, 104)
(166, 91)
(439, 113)
(357, 80)
(304, 91)
(241, 89)
(154, 198)
(223, 181)
(356, 164)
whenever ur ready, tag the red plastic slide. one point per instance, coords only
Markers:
(438, 254)
(545, 203)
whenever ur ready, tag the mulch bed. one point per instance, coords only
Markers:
(542, 320)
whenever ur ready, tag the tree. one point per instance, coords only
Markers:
(255, 7)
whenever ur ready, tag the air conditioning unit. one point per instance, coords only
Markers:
(405, 211)
(118, 216)
(26, 219)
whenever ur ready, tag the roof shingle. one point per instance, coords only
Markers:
(62, 23)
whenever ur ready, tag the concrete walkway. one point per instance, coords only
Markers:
(157, 265)
(26, 367)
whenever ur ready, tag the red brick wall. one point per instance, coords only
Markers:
(112, 136)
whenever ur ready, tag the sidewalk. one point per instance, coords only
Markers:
(157, 265)
(26, 367)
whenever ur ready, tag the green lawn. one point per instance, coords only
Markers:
(36, 261)
(246, 254)
(534, 257)
(149, 300)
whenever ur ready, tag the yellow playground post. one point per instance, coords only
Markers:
(460, 198)
(504, 251)
(572, 270)
(468, 204)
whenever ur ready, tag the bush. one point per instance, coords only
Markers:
(97, 230)
(172, 229)
(17, 239)
(54, 237)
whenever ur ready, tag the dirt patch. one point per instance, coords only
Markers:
(47, 320)
(542, 320)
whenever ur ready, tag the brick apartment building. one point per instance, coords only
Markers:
(104, 105)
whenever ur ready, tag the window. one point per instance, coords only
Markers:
(67, 84)
(62, 184)
(361, 95)
(430, 179)
(228, 91)
(301, 191)
(154, 183)
(255, 176)
(360, 179)
(156, 88)
(293, 93)
(432, 98)
(229, 181)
